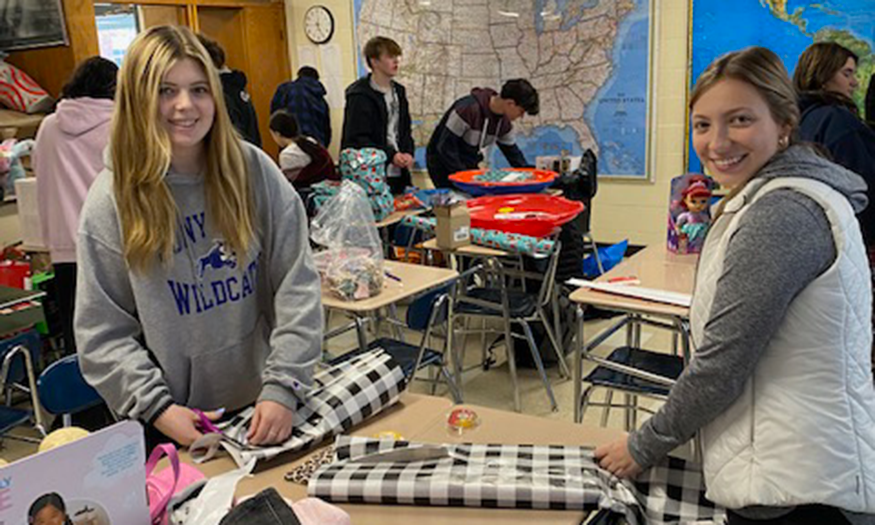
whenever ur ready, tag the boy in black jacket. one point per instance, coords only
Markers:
(377, 114)
(237, 99)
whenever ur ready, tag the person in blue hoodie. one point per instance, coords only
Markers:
(825, 81)
(305, 99)
(196, 285)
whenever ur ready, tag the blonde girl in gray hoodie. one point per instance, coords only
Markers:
(196, 287)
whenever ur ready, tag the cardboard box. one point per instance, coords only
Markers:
(453, 226)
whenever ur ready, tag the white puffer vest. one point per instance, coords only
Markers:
(803, 430)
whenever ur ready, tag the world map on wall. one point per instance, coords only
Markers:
(786, 27)
(589, 60)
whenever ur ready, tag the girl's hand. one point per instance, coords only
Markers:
(180, 424)
(616, 459)
(271, 424)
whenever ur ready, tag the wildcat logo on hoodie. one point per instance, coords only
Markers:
(225, 287)
(217, 258)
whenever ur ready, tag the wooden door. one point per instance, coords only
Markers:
(159, 15)
(267, 48)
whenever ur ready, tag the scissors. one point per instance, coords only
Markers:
(206, 425)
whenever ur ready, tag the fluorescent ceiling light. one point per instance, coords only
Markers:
(511, 14)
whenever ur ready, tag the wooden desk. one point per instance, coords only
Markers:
(409, 417)
(415, 278)
(469, 250)
(656, 268)
(423, 419)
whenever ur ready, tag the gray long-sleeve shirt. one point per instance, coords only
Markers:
(209, 328)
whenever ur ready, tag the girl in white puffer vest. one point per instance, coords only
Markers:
(780, 386)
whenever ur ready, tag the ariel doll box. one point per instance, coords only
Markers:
(689, 215)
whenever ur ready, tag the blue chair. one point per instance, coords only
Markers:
(425, 314)
(17, 376)
(63, 391)
(11, 417)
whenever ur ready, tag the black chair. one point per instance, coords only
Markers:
(633, 371)
(515, 306)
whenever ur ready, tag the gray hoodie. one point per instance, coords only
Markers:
(209, 329)
(783, 242)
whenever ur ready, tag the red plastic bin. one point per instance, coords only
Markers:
(13, 273)
(532, 214)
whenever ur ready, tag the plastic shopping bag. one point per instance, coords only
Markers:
(351, 265)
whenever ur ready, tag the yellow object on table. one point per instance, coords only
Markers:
(62, 436)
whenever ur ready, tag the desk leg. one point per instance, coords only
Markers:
(360, 332)
(577, 372)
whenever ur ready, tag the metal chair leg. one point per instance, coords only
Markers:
(451, 384)
(609, 398)
(536, 355)
(511, 363)
(560, 355)
(584, 401)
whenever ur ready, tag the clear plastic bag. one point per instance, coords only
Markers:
(351, 265)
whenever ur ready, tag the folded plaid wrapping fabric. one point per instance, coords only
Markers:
(342, 396)
(514, 476)
(509, 242)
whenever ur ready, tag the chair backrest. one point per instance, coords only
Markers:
(420, 310)
(63, 390)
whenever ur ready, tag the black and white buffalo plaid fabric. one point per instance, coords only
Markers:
(514, 476)
(342, 396)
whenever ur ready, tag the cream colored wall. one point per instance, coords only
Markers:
(623, 209)
(638, 210)
(343, 36)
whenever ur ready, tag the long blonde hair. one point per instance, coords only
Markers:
(141, 154)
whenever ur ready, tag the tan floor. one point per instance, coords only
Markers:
(491, 388)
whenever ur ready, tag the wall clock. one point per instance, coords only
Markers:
(319, 24)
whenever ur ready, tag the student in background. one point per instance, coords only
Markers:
(305, 99)
(237, 99)
(66, 159)
(473, 124)
(303, 160)
(197, 287)
(779, 387)
(377, 114)
(870, 103)
(825, 80)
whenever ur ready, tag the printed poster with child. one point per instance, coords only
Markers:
(97, 480)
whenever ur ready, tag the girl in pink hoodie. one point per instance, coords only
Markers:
(67, 157)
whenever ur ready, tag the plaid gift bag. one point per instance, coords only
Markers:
(367, 168)
(512, 476)
(342, 396)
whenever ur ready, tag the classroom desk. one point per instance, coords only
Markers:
(397, 216)
(423, 419)
(415, 278)
(468, 250)
(656, 268)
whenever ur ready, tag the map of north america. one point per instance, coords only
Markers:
(572, 51)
